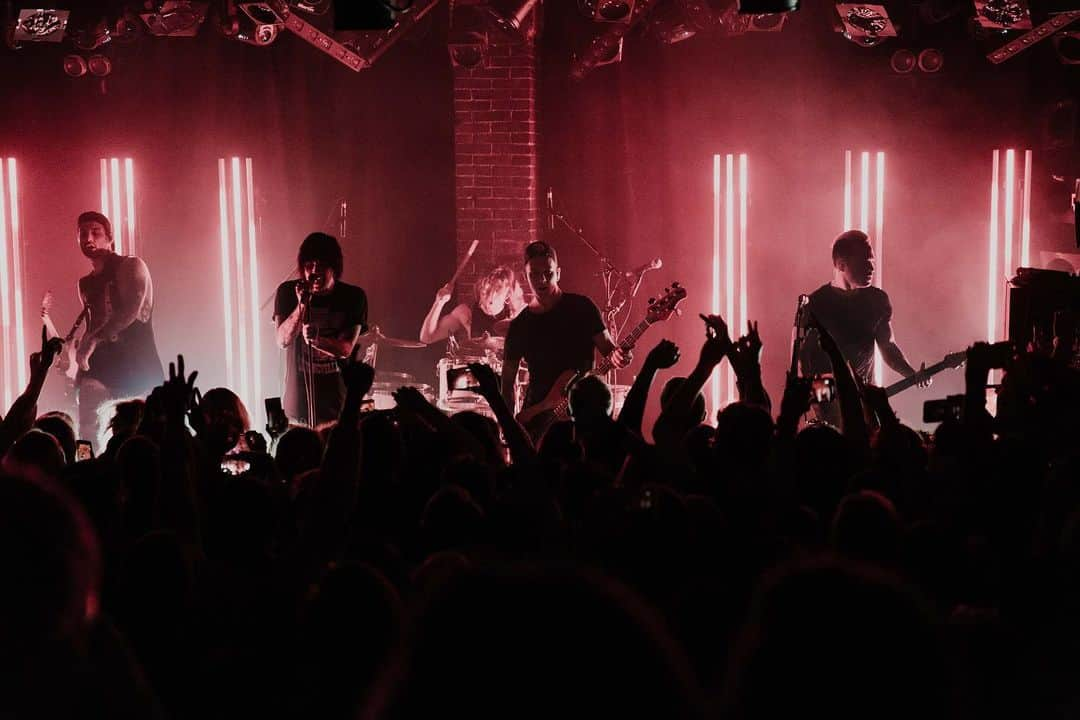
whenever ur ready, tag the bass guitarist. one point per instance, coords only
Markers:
(557, 331)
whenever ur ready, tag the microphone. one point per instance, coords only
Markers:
(550, 209)
(654, 264)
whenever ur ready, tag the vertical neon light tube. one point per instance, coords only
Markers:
(864, 196)
(847, 191)
(1025, 226)
(879, 235)
(253, 291)
(105, 210)
(714, 391)
(729, 259)
(1010, 209)
(991, 302)
(241, 310)
(226, 274)
(743, 316)
(117, 221)
(17, 271)
(5, 307)
(129, 191)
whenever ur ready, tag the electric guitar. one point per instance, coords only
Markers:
(952, 360)
(65, 360)
(555, 406)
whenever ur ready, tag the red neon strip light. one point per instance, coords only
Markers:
(129, 190)
(847, 191)
(715, 388)
(253, 288)
(991, 309)
(743, 316)
(1025, 227)
(241, 309)
(864, 207)
(117, 220)
(729, 258)
(1010, 208)
(879, 241)
(17, 270)
(105, 188)
(5, 307)
(226, 273)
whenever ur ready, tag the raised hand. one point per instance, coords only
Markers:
(178, 394)
(486, 381)
(796, 400)
(717, 341)
(663, 356)
(358, 376)
(41, 361)
(409, 398)
(746, 351)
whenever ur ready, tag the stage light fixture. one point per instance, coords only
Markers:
(258, 23)
(175, 18)
(74, 66)
(35, 25)
(865, 25)
(767, 22)
(1003, 14)
(671, 23)
(903, 61)
(931, 60)
(766, 7)
(607, 10)
(467, 50)
(603, 50)
(1067, 47)
(510, 18)
(99, 65)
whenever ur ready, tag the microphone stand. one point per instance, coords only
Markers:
(612, 279)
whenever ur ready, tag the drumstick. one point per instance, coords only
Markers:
(461, 266)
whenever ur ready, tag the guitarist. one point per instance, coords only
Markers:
(117, 355)
(557, 331)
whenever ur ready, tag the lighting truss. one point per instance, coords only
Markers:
(118, 201)
(13, 372)
(240, 280)
(868, 201)
(731, 197)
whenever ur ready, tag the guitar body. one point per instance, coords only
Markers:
(536, 419)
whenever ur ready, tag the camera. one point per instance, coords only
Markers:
(822, 388)
(949, 408)
(461, 378)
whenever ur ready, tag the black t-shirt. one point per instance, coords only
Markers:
(555, 341)
(333, 314)
(853, 318)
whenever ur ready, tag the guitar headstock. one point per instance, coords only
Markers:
(956, 359)
(661, 308)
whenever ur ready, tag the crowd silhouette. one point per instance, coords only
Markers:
(409, 564)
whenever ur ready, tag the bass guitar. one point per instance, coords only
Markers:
(555, 406)
(952, 360)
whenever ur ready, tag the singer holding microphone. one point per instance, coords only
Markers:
(319, 319)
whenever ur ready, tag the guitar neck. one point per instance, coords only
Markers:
(902, 385)
(628, 343)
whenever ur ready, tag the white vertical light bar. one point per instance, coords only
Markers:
(847, 191)
(5, 307)
(17, 271)
(253, 291)
(729, 260)
(226, 273)
(1010, 209)
(116, 219)
(991, 302)
(879, 235)
(105, 210)
(129, 191)
(1025, 226)
(714, 392)
(743, 311)
(864, 196)
(241, 302)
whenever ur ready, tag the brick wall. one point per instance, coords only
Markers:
(495, 159)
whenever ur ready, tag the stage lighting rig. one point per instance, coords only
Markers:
(864, 24)
(467, 49)
(75, 66)
(258, 23)
(175, 18)
(1003, 15)
(37, 25)
(607, 10)
(511, 18)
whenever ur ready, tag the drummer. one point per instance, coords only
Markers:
(499, 298)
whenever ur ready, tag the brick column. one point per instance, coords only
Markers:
(495, 158)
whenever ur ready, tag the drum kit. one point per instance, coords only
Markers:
(448, 395)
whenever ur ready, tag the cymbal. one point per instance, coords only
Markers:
(375, 335)
(486, 342)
